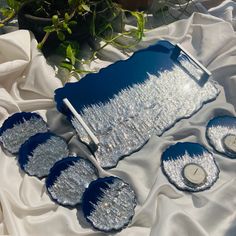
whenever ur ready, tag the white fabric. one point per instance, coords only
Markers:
(226, 10)
(27, 83)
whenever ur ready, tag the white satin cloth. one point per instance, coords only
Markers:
(27, 83)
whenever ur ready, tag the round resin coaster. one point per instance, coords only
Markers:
(68, 180)
(189, 166)
(221, 134)
(108, 204)
(40, 152)
(18, 128)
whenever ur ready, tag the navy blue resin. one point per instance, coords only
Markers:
(179, 149)
(227, 121)
(29, 146)
(100, 87)
(94, 192)
(59, 167)
(17, 118)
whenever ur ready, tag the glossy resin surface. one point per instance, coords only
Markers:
(129, 101)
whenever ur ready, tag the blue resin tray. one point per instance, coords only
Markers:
(126, 103)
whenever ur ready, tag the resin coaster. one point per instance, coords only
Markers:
(189, 166)
(108, 204)
(221, 134)
(40, 152)
(18, 128)
(126, 103)
(68, 180)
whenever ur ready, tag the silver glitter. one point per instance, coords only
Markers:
(13, 138)
(71, 183)
(114, 208)
(45, 156)
(174, 169)
(124, 123)
(216, 134)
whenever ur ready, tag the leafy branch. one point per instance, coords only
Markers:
(105, 20)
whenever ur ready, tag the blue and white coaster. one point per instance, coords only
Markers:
(189, 166)
(18, 128)
(68, 180)
(221, 134)
(109, 203)
(40, 152)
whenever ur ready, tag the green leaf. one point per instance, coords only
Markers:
(10, 3)
(14, 4)
(67, 17)
(140, 24)
(55, 19)
(71, 2)
(69, 30)
(6, 12)
(72, 22)
(61, 35)
(86, 7)
(84, 71)
(70, 54)
(49, 29)
(66, 65)
(65, 26)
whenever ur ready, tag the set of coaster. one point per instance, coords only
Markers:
(108, 203)
(190, 166)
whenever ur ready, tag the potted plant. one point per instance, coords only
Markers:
(69, 22)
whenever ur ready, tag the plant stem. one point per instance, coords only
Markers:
(7, 19)
(40, 45)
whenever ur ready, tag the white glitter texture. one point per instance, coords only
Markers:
(71, 183)
(174, 169)
(216, 134)
(114, 208)
(13, 138)
(124, 123)
(45, 155)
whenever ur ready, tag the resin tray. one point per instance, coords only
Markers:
(126, 103)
